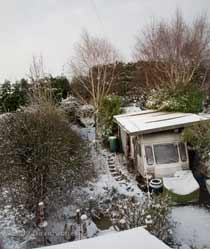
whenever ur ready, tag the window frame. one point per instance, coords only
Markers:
(152, 153)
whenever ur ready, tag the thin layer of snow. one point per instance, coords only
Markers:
(88, 134)
(192, 227)
(87, 108)
(137, 238)
(106, 181)
(183, 183)
(131, 109)
(152, 121)
(9, 230)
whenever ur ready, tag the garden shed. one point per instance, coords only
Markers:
(152, 140)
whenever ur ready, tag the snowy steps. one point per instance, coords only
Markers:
(116, 173)
(115, 169)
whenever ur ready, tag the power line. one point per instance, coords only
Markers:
(95, 9)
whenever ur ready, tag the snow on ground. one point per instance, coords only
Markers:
(192, 226)
(130, 109)
(9, 230)
(193, 223)
(105, 181)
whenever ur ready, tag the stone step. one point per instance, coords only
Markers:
(115, 174)
(119, 177)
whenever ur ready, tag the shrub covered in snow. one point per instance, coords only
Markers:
(153, 213)
(41, 157)
(70, 106)
(180, 98)
(86, 114)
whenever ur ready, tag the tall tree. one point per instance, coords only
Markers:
(93, 65)
(179, 52)
(37, 70)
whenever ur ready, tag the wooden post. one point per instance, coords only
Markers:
(84, 225)
(41, 221)
(78, 216)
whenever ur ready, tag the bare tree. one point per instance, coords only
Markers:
(36, 70)
(176, 50)
(93, 65)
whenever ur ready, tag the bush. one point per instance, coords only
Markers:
(110, 106)
(198, 136)
(41, 157)
(154, 213)
(179, 99)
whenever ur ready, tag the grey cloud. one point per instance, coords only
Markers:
(51, 27)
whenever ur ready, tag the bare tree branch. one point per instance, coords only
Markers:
(94, 66)
(176, 49)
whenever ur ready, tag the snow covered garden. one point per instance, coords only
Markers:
(188, 228)
(78, 159)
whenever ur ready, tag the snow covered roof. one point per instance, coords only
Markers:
(153, 121)
(137, 238)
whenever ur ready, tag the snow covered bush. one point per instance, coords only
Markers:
(110, 106)
(70, 106)
(86, 115)
(180, 98)
(41, 157)
(153, 213)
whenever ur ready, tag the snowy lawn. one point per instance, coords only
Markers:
(193, 226)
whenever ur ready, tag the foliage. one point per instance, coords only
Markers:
(59, 85)
(154, 213)
(129, 81)
(16, 95)
(198, 136)
(41, 157)
(110, 106)
(181, 98)
(12, 96)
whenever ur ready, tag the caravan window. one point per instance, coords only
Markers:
(149, 155)
(182, 152)
(166, 153)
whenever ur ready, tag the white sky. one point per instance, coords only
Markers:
(51, 27)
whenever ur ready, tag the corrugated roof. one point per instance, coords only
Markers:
(153, 121)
